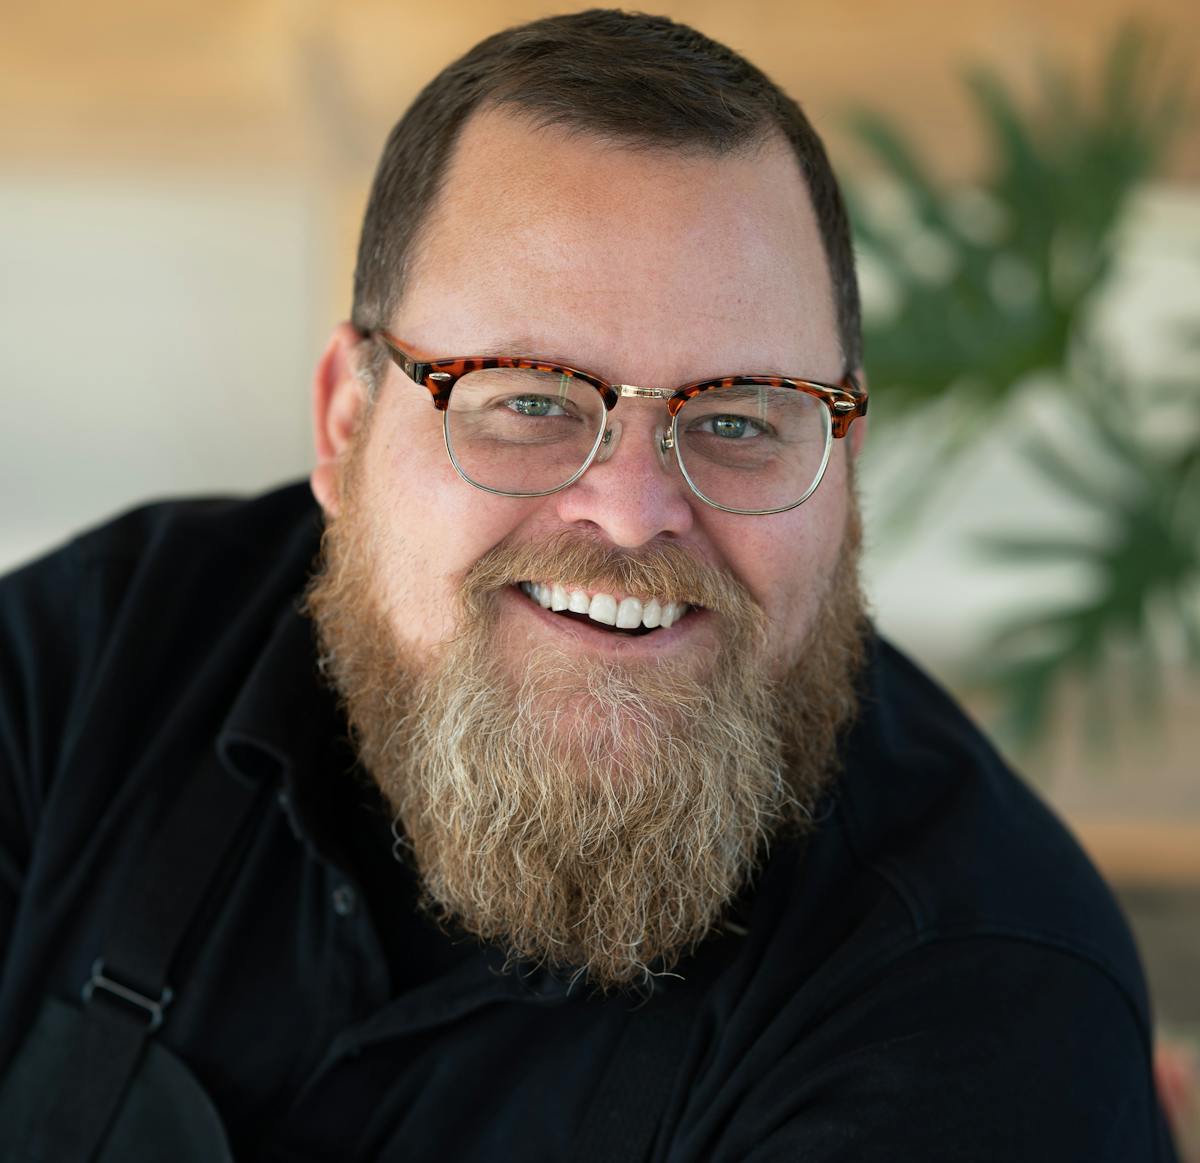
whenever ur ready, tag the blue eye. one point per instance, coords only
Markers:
(731, 427)
(535, 406)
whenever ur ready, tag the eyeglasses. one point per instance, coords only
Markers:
(518, 427)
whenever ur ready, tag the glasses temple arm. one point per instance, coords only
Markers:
(416, 370)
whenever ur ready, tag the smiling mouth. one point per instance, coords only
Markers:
(631, 616)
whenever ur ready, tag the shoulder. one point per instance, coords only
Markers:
(170, 534)
(938, 972)
(968, 848)
(161, 552)
(180, 532)
(122, 613)
(982, 1048)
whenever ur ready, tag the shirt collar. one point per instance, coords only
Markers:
(286, 726)
(284, 714)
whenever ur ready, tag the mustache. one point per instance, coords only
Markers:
(662, 569)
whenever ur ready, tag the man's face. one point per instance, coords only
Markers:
(645, 267)
(578, 794)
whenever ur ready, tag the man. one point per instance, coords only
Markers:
(568, 807)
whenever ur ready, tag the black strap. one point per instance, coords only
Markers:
(634, 1092)
(128, 992)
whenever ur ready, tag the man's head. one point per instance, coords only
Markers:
(620, 195)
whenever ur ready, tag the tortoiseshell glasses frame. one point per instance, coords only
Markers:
(845, 402)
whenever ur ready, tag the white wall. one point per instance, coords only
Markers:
(157, 337)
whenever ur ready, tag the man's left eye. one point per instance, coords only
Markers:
(731, 427)
(535, 406)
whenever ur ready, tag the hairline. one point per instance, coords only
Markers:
(540, 120)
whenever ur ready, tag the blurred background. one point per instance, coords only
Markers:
(180, 192)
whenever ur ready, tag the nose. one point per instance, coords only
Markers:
(633, 492)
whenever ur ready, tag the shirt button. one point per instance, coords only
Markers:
(345, 900)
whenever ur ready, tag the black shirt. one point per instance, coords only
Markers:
(938, 973)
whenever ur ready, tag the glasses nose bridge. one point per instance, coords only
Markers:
(613, 425)
(634, 391)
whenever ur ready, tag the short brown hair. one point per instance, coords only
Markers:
(642, 80)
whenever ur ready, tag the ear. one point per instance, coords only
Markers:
(858, 430)
(338, 403)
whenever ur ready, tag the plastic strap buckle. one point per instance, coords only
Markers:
(152, 1009)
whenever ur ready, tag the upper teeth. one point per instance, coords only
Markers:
(627, 614)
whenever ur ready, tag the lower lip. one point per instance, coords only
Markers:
(595, 638)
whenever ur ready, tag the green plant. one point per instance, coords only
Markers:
(995, 285)
(1143, 604)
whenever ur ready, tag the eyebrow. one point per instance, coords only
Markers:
(756, 392)
(523, 347)
(518, 348)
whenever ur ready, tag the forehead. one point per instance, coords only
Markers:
(635, 262)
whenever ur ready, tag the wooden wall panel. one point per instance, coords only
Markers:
(263, 82)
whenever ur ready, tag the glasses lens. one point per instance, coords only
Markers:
(753, 448)
(522, 431)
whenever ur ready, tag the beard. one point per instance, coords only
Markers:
(592, 814)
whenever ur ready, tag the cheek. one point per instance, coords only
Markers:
(430, 526)
(786, 561)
